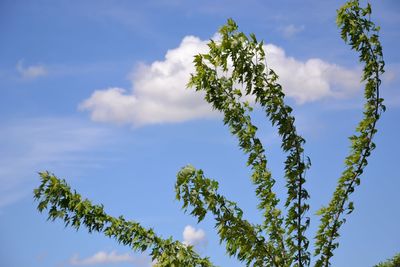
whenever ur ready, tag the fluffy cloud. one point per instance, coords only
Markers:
(109, 258)
(30, 72)
(159, 93)
(194, 237)
(313, 79)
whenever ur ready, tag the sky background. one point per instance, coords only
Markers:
(94, 91)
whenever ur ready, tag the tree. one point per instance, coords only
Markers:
(234, 69)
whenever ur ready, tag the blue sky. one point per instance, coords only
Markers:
(94, 91)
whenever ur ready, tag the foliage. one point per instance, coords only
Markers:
(56, 196)
(360, 32)
(235, 70)
(394, 262)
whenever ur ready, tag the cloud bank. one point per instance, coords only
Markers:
(159, 93)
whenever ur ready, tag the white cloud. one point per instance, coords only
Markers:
(30, 72)
(313, 79)
(291, 30)
(194, 237)
(102, 257)
(159, 93)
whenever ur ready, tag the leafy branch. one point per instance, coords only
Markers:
(242, 238)
(393, 262)
(233, 69)
(55, 196)
(360, 32)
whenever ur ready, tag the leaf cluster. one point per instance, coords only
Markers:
(361, 34)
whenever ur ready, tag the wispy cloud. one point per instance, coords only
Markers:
(193, 236)
(34, 145)
(159, 93)
(291, 30)
(30, 72)
(112, 257)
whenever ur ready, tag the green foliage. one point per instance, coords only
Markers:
(56, 196)
(394, 262)
(233, 71)
(242, 238)
(361, 33)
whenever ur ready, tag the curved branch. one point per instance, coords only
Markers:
(354, 25)
(245, 55)
(272, 100)
(223, 97)
(242, 238)
(56, 196)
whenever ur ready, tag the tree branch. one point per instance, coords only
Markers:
(242, 239)
(356, 28)
(56, 196)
